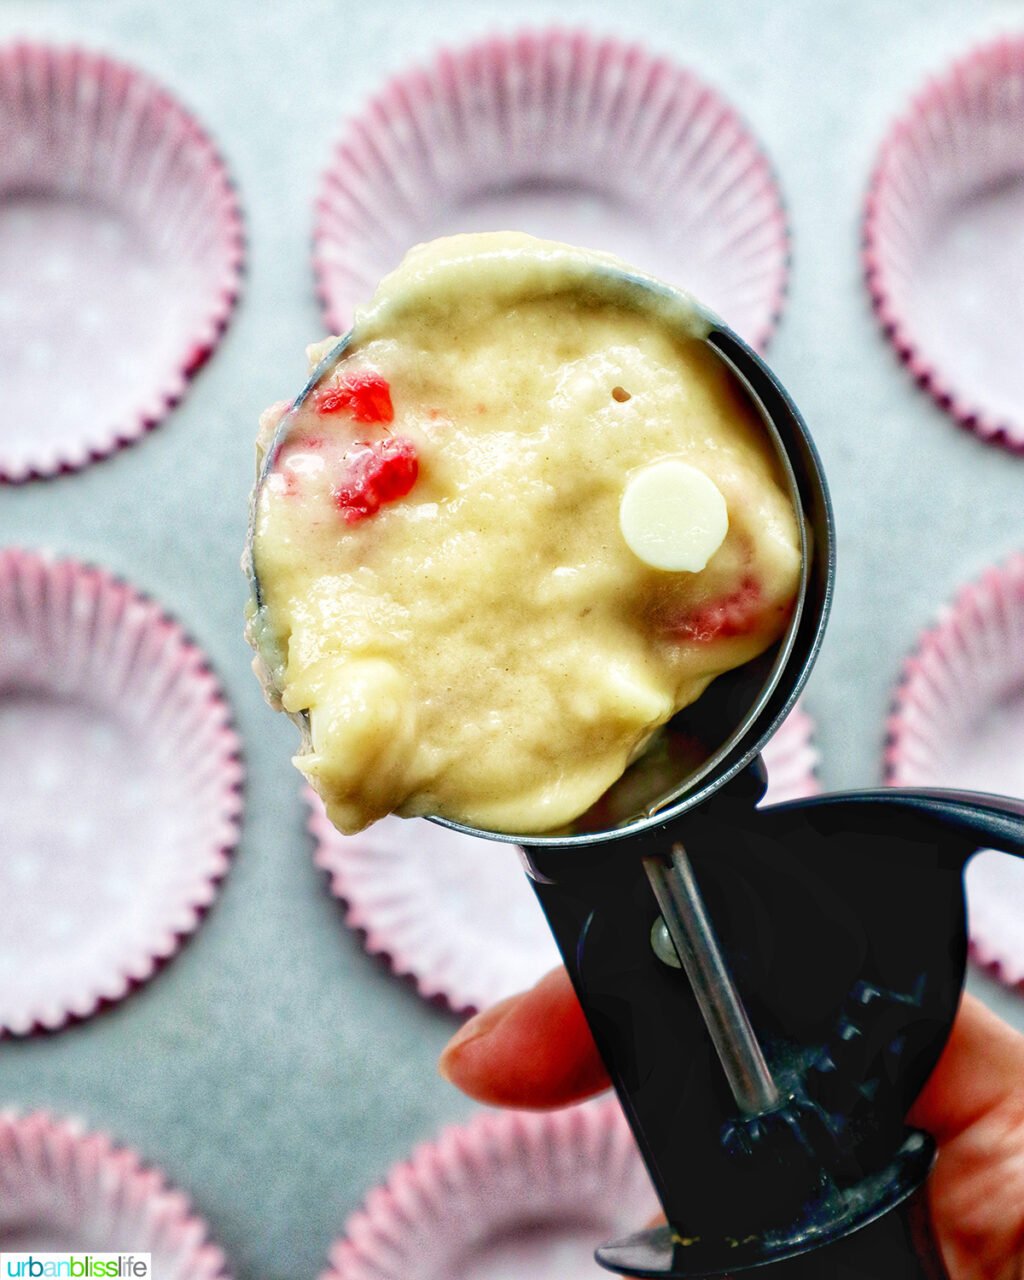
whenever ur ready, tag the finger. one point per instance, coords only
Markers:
(981, 1070)
(532, 1050)
(974, 1105)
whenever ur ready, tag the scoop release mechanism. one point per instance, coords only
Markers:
(770, 988)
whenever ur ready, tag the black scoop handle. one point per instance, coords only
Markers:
(981, 821)
(842, 918)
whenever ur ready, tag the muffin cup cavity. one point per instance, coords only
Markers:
(512, 1194)
(958, 721)
(121, 251)
(942, 239)
(121, 789)
(64, 1189)
(568, 137)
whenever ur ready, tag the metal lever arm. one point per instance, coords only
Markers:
(693, 936)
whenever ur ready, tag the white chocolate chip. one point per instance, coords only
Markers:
(673, 516)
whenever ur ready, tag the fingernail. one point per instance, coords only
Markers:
(482, 1024)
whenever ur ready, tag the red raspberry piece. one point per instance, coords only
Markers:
(366, 396)
(377, 473)
(733, 615)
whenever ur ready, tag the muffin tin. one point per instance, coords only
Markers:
(115, 199)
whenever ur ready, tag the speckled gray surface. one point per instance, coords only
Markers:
(273, 1069)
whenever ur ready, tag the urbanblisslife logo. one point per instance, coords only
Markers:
(76, 1266)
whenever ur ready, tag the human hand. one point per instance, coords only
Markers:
(535, 1050)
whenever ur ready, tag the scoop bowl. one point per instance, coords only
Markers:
(716, 738)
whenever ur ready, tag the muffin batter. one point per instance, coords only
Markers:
(515, 529)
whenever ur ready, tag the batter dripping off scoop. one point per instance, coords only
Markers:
(517, 526)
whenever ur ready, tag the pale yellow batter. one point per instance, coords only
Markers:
(456, 542)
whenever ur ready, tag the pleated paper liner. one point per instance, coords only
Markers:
(943, 241)
(120, 255)
(63, 1190)
(958, 721)
(791, 758)
(120, 789)
(427, 898)
(505, 1196)
(570, 137)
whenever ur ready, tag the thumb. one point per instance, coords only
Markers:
(532, 1050)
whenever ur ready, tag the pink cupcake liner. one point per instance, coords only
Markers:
(566, 136)
(942, 239)
(425, 898)
(121, 253)
(958, 721)
(507, 1195)
(121, 789)
(791, 759)
(64, 1190)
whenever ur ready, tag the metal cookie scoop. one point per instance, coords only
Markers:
(269, 661)
(769, 988)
